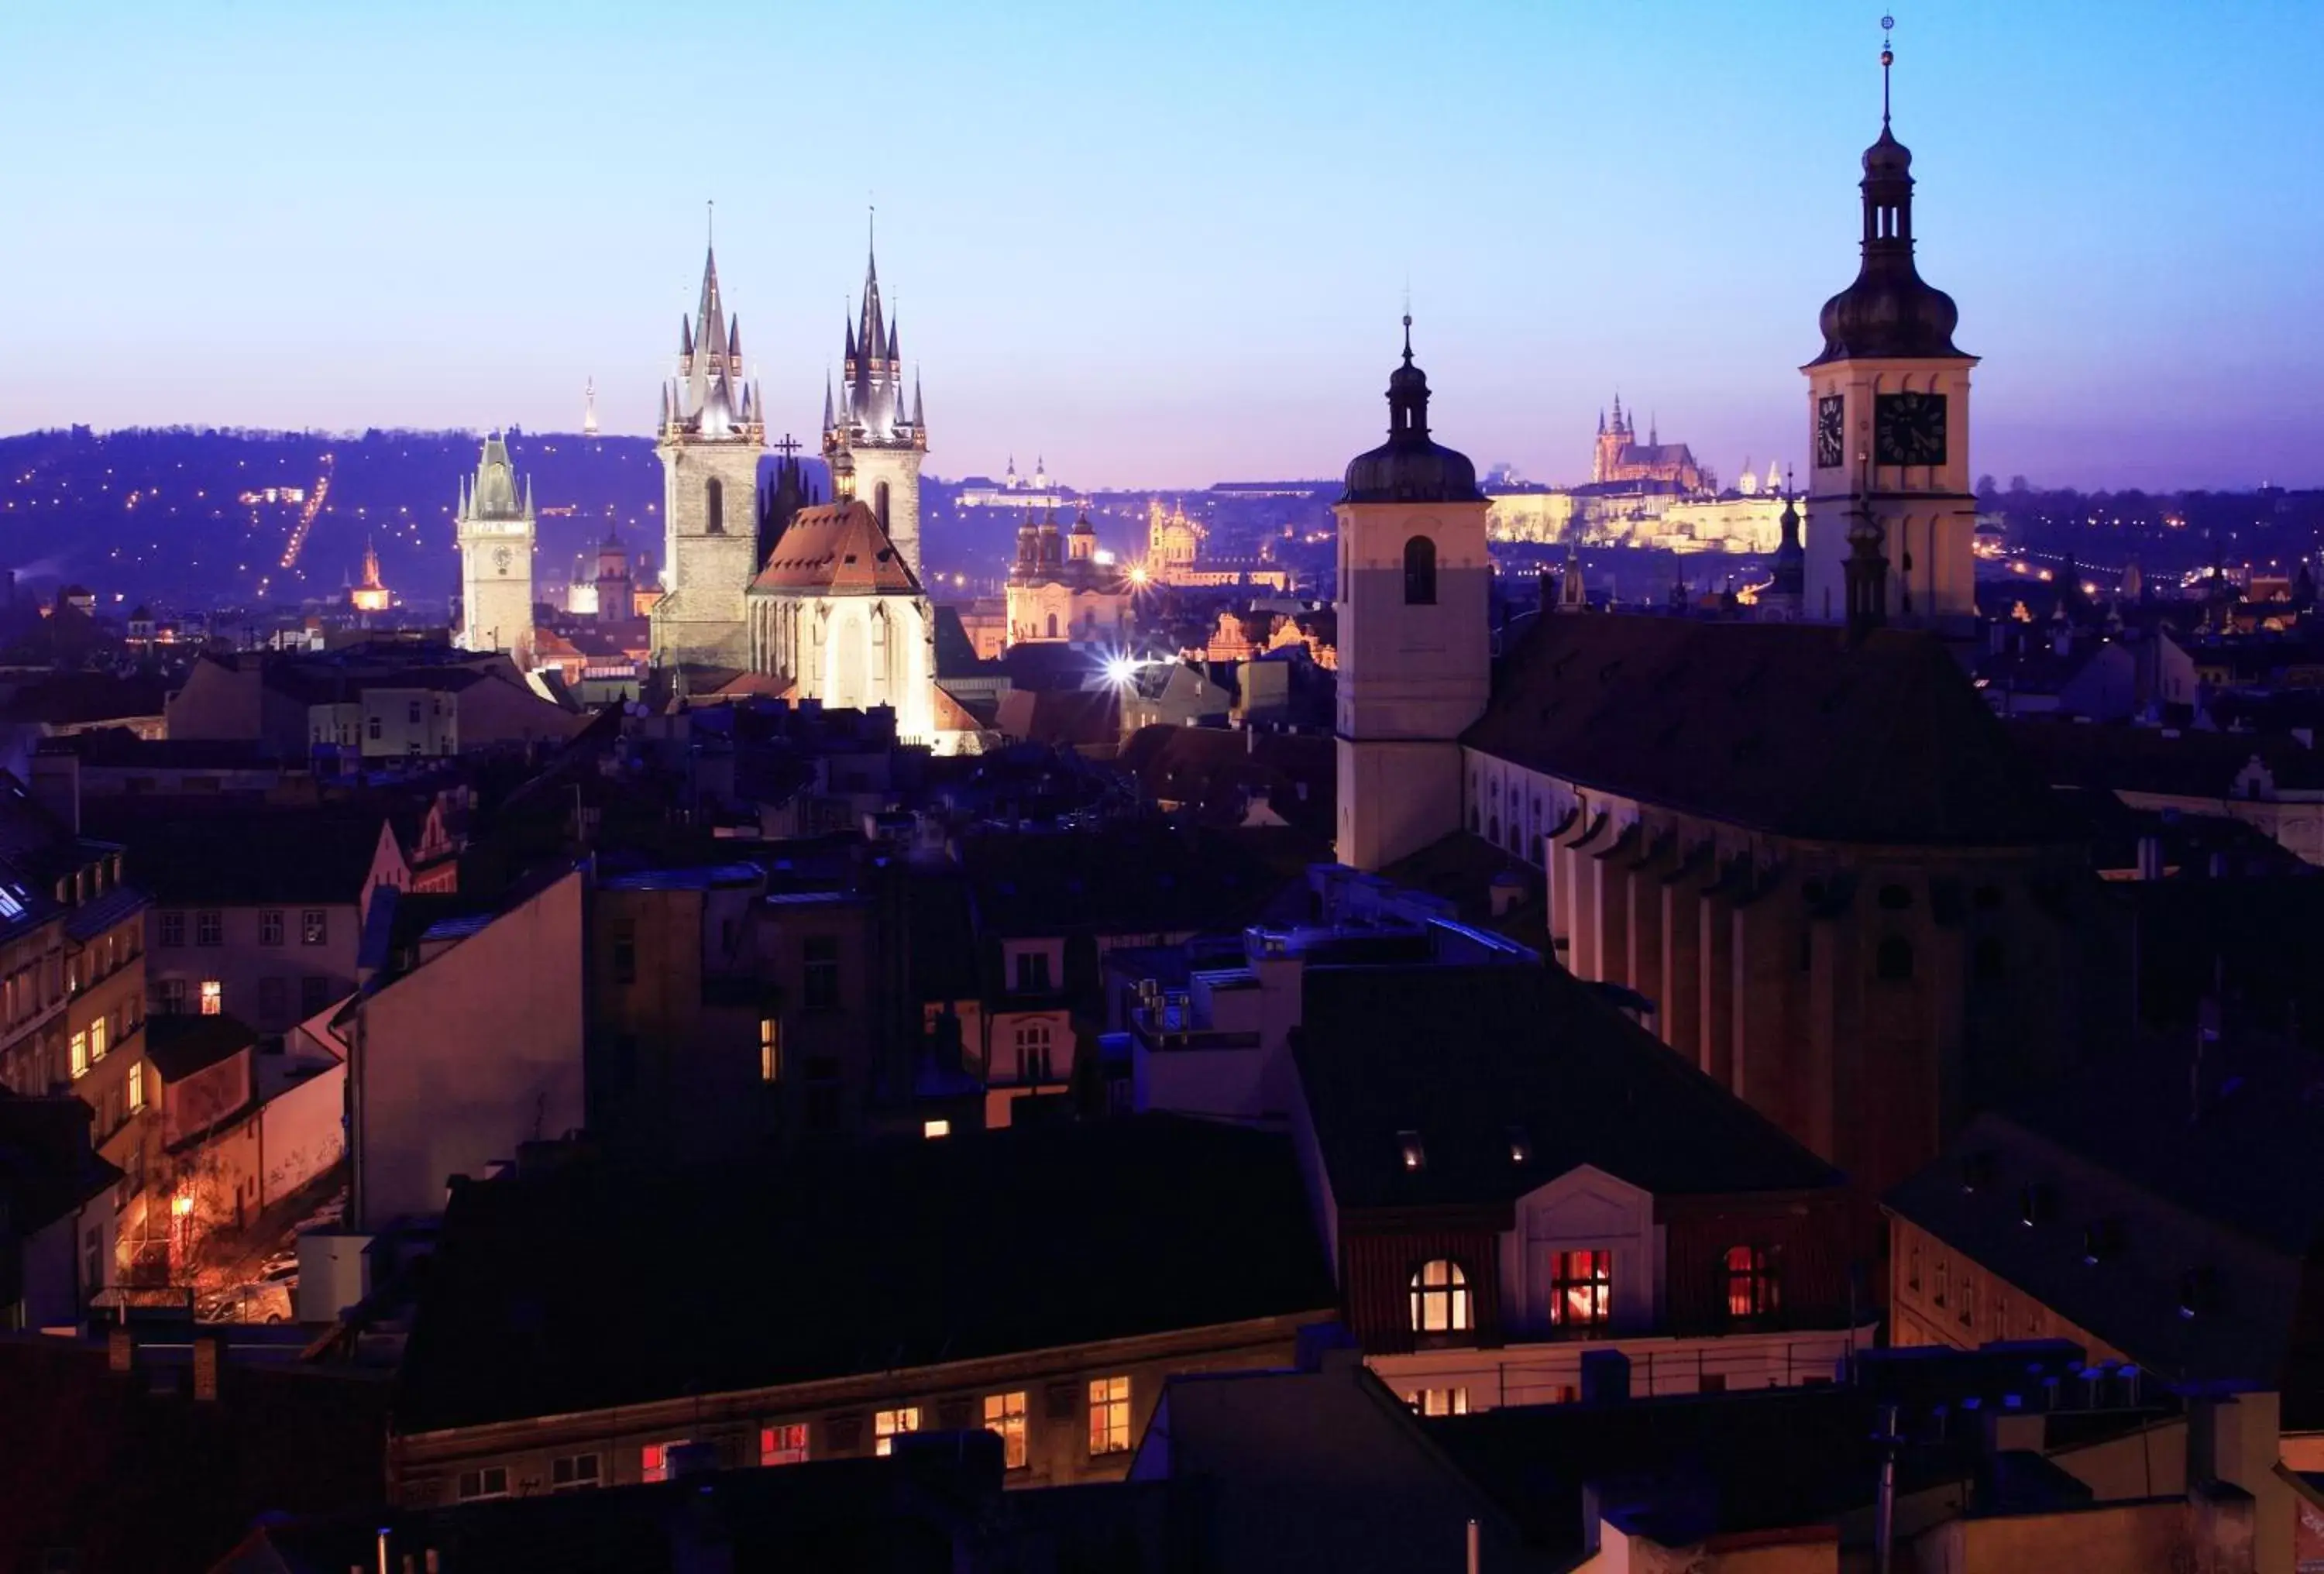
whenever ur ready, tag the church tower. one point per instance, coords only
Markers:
(711, 435)
(1414, 640)
(887, 438)
(495, 530)
(1889, 427)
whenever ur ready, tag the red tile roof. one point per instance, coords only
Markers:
(838, 549)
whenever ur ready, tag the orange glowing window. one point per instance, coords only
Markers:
(888, 1425)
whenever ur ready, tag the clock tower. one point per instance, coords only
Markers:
(1889, 427)
(495, 530)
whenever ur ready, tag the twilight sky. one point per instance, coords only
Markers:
(1167, 243)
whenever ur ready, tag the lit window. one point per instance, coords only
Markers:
(1750, 1281)
(1005, 1413)
(1109, 1415)
(653, 1460)
(934, 1129)
(96, 1041)
(314, 927)
(492, 1481)
(1440, 1298)
(575, 1472)
(771, 1050)
(136, 1087)
(213, 997)
(887, 1424)
(1438, 1400)
(80, 1055)
(783, 1445)
(1582, 1289)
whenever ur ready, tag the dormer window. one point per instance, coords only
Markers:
(1408, 1146)
(1440, 1298)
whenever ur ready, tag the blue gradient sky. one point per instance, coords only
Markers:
(1167, 243)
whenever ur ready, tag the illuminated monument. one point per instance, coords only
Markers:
(870, 420)
(494, 529)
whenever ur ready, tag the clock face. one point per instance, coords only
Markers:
(1831, 432)
(500, 558)
(1909, 429)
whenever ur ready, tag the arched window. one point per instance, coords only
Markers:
(1053, 625)
(1751, 1288)
(1420, 572)
(714, 506)
(1893, 961)
(1493, 834)
(880, 504)
(1440, 1298)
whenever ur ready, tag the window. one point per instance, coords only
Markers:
(1893, 961)
(1109, 1415)
(1437, 1401)
(714, 506)
(171, 994)
(1944, 1275)
(1912, 1266)
(1582, 1289)
(935, 1128)
(886, 1425)
(173, 930)
(880, 504)
(771, 1050)
(314, 993)
(1032, 972)
(414, 715)
(1005, 1413)
(1968, 1299)
(269, 926)
(213, 997)
(1420, 572)
(96, 1041)
(492, 1481)
(653, 1460)
(80, 1055)
(1750, 1281)
(783, 1445)
(136, 1087)
(625, 953)
(1440, 1298)
(371, 731)
(575, 1472)
(821, 955)
(209, 928)
(314, 927)
(1033, 1052)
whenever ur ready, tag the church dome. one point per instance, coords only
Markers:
(1408, 467)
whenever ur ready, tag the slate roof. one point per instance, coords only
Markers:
(1461, 1056)
(1775, 727)
(240, 854)
(76, 698)
(1124, 878)
(47, 1168)
(1215, 770)
(2184, 762)
(837, 549)
(873, 1258)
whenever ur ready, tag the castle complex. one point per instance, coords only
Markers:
(1620, 456)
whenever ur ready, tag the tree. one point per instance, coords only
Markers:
(2019, 485)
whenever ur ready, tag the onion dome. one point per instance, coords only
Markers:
(1408, 467)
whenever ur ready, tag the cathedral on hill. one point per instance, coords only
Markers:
(1620, 457)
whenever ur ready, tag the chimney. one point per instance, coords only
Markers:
(1605, 1377)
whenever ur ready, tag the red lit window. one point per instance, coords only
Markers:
(653, 1460)
(1751, 1289)
(783, 1445)
(1582, 1289)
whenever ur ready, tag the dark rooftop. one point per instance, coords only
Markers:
(181, 1044)
(1775, 727)
(235, 852)
(1143, 1226)
(1461, 1056)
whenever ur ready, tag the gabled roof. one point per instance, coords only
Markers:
(1145, 1225)
(1468, 1058)
(837, 549)
(1780, 728)
(180, 1044)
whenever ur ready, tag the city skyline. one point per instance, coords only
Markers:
(1142, 299)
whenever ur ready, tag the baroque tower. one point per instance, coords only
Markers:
(870, 420)
(711, 435)
(495, 533)
(1415, 644)
(1890, 515)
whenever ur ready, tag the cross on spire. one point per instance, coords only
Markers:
(789, 447)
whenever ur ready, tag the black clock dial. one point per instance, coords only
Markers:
(1909, 429)
(1831, 432)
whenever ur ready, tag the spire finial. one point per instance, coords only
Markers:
(1887, 59)
(710, 221)
(1408, 336)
